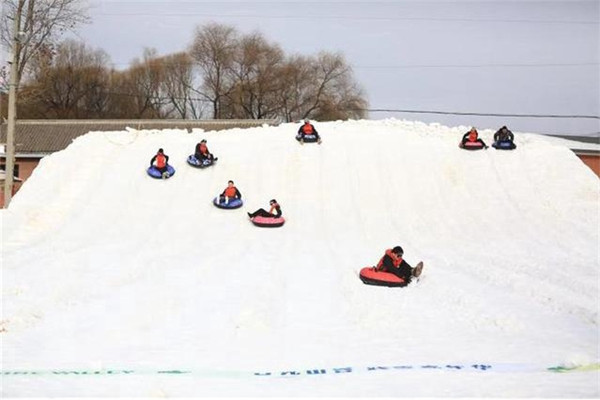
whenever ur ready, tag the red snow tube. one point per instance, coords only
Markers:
(267, 222)
(472, 146)
(370, 276)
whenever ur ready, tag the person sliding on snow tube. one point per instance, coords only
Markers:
(471, 141)
(274, 212)
(201, 153)
(391, 270)
(230, 192)
(393, 263)
(504, 139)
(162, 163)
(308, 133)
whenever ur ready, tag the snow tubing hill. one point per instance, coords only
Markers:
(194, 162)
(504, 145)
(267, 222)
(233, 203)
(370, 276)
(308, 138)
(471, 146)
(155, 173)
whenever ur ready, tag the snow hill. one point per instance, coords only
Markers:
(115, 283)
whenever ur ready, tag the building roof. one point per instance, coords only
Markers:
(586, 152)
(41, 136)
(584, 139)
(580, 145)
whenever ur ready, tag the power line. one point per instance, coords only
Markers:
(521, 65)
(338, 17)
(476, 65)
(483, 114)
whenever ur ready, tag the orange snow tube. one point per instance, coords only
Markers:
(370, 276)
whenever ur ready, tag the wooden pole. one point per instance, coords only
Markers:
(12, 111)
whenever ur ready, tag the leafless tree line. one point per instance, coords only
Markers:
(224, 74)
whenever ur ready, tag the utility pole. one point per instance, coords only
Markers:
(12, 111)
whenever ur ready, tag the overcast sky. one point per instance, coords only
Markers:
(514, 57)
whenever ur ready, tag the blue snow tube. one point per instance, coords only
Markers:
(231, 204)
(504, 145)
(155, 173)
(194, 162)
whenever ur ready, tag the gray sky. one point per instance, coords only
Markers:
(513, 57)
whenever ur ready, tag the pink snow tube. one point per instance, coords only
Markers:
(267, 222)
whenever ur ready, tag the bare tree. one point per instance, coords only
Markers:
(158, 87)
(338, 96)
(343, 103)
(213, 49)
(296, 87)
(43, 22)
(320, 87)
(72, 83)
(326, 71)
(236, 76)
(122, 95)
(145, 79)
(178, 82)
(3, 93)
(256, 68)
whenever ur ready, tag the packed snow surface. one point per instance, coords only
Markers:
(114, 283)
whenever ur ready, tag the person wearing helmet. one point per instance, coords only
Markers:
(393, 262)
(473, 137)
(307, 129)
(274, 212)
(162, 160)
(201, 152)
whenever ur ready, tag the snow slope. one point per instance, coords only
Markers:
(118, 284)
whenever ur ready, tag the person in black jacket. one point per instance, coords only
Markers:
(201, 152)
(274, 212)
(504, 135)
(393, 262)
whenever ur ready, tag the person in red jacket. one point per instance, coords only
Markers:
(274, 212)
(473, 137)
(307, 129)
(162, 160)
(393, 262)
(230, 192)
(201, 152)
